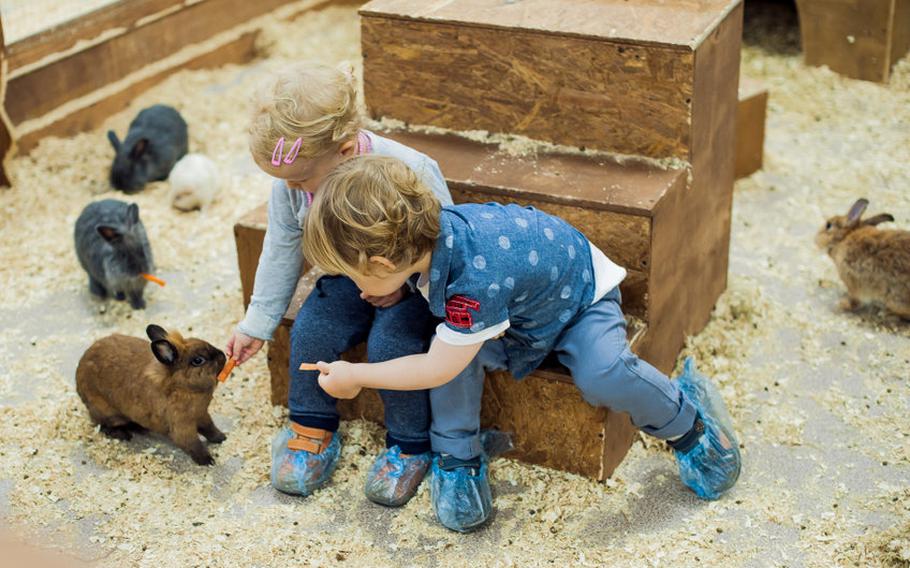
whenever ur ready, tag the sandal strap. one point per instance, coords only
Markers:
(313, 440)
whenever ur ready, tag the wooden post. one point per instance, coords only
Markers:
(6, 138)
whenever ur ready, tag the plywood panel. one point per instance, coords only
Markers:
(751, 112)
(852, 37)
(583, 92)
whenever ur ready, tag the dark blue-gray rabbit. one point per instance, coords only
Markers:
(114, 250)
(157, 138)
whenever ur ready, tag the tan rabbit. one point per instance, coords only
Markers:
(165, 387)
(873, 263)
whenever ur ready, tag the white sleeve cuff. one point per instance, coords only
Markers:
(444, 333)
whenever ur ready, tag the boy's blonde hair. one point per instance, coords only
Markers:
(311, 101)
(370, 206)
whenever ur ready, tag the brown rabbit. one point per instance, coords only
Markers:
(873, 263)
(165, 387)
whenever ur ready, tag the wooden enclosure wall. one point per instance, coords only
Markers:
(6, 138)
(71, 78)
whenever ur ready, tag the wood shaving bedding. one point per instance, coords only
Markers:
(820, 398)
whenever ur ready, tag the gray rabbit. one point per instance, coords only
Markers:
(157, 138)
(113, 248)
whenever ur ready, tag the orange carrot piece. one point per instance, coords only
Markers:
(154, 279)
(226, 371)
(308, 367)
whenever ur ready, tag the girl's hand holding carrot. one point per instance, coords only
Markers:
(241, 347)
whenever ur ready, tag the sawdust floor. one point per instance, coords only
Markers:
(820, 397)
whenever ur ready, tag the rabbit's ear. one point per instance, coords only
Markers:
(108, 233)
(164, 351)
(156, 332)
(115, 142)
(880, 218)
(139, 148)
(132, 213)
(857, 210)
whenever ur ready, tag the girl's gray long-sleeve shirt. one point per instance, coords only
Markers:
(282, 257)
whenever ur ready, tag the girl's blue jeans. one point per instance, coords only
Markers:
(334, 319)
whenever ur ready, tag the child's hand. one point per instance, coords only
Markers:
(384, 301)
(241, 347)
(338, 379)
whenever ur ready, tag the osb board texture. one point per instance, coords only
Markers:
(750, 132)
(591, 181)
(691, 235)
(240, 50)
(626, 239)
(45, 88)
(678, 23)
(120, 15)
(827, 25)
(549, 421)
(571, 91)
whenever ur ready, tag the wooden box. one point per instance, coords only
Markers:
(649, 79)
(861, 39)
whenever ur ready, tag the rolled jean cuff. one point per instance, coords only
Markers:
(462, 448)
(329, 423)
(408, 446)
(679, 425)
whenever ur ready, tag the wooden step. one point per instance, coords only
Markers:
(610, 74)
(861, 39)
(751, 113)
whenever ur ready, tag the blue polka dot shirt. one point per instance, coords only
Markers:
(505, 268)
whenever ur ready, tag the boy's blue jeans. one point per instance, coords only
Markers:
(595, 349)
(334, 319)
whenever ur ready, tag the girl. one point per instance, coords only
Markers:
(304, 125)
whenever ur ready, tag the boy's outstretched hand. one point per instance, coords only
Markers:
(338, 379)
(241, 347)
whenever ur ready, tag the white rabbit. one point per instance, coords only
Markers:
(194, 182)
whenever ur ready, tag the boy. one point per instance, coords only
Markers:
(513, 284)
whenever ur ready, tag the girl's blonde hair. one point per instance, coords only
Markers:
(311, 101)
(370, 206)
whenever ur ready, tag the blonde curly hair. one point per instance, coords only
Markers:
(370, 206)
(311, 101)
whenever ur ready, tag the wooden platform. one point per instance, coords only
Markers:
(861, 39)
(751, 113)
(628, 210)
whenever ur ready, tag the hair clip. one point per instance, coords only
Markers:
(290, 156)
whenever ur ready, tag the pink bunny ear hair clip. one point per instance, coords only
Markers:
(289, 157)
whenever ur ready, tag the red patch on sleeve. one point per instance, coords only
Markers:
(457, 311)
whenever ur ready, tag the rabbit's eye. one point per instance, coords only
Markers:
(828, 226)
(197, 361)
